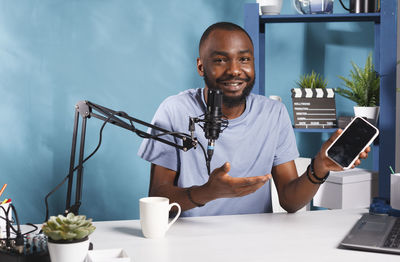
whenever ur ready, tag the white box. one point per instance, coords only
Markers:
(395, 191)
(107, 255)
(352, 188)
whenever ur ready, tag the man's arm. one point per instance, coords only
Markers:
(295, 192)
(219, 185)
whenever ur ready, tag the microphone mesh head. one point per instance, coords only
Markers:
(213, 116)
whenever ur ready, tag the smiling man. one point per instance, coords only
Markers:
(258, 143)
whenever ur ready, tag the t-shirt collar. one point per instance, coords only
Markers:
(231, 121)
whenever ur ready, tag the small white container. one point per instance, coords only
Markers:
(2, 221)
(395, 191)
(270, 7)
(352, 188)
(275, 97)
(107, 255)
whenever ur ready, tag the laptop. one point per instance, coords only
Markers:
(374, 232)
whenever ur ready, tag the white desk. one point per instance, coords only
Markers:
(304, 236)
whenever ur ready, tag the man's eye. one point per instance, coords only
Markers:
(219, 60)
(245, 59)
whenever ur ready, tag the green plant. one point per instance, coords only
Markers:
(68, 228)
(312, 80)
(362, 85)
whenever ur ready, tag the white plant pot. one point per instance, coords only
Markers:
(370, 112)
(68, 252)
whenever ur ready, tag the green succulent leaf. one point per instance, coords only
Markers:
(70, 227)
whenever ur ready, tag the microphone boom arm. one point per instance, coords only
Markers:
(87, 109)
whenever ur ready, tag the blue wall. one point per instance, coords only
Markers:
(125, 55)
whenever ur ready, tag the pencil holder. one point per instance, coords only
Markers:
(3, 215)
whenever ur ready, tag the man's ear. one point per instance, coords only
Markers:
(200, 67)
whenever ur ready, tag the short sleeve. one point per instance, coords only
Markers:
(286, 148)
(155, 151)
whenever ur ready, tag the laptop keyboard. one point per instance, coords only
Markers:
(393, 239)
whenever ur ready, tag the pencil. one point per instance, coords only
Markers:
(2, 189)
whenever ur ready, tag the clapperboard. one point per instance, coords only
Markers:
(314, 107)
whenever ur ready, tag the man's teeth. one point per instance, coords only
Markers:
(232, 84)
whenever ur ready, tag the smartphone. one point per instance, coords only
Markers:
(354, 139)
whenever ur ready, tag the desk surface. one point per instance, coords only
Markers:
(304, 236)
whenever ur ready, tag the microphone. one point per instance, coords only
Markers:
(213, 119)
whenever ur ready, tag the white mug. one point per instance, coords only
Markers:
(154, 213)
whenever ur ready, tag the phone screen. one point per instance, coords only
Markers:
(352, 141)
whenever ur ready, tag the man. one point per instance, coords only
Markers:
(258, 143)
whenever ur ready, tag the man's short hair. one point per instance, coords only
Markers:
(221, 26)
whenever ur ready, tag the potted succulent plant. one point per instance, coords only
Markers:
(363, 88)
(68, 237)
(313, 103)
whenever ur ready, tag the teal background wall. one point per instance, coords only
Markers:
(126, 55)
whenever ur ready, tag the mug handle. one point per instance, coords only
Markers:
(176, 216)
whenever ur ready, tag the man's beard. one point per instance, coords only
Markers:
(232, 101)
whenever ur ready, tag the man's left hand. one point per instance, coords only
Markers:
(322, 164)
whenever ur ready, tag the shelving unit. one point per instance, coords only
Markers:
(385, 63)
(315, 130)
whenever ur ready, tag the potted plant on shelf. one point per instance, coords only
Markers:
(68, 237)
(363, 88)
(312, 80)
(313, 103)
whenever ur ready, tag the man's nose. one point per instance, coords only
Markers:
(234, 68)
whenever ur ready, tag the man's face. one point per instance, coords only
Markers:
(227, 63)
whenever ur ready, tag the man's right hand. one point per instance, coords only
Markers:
(222, 185)
(219, 185)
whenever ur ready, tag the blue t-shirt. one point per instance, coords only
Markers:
(262, 137)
